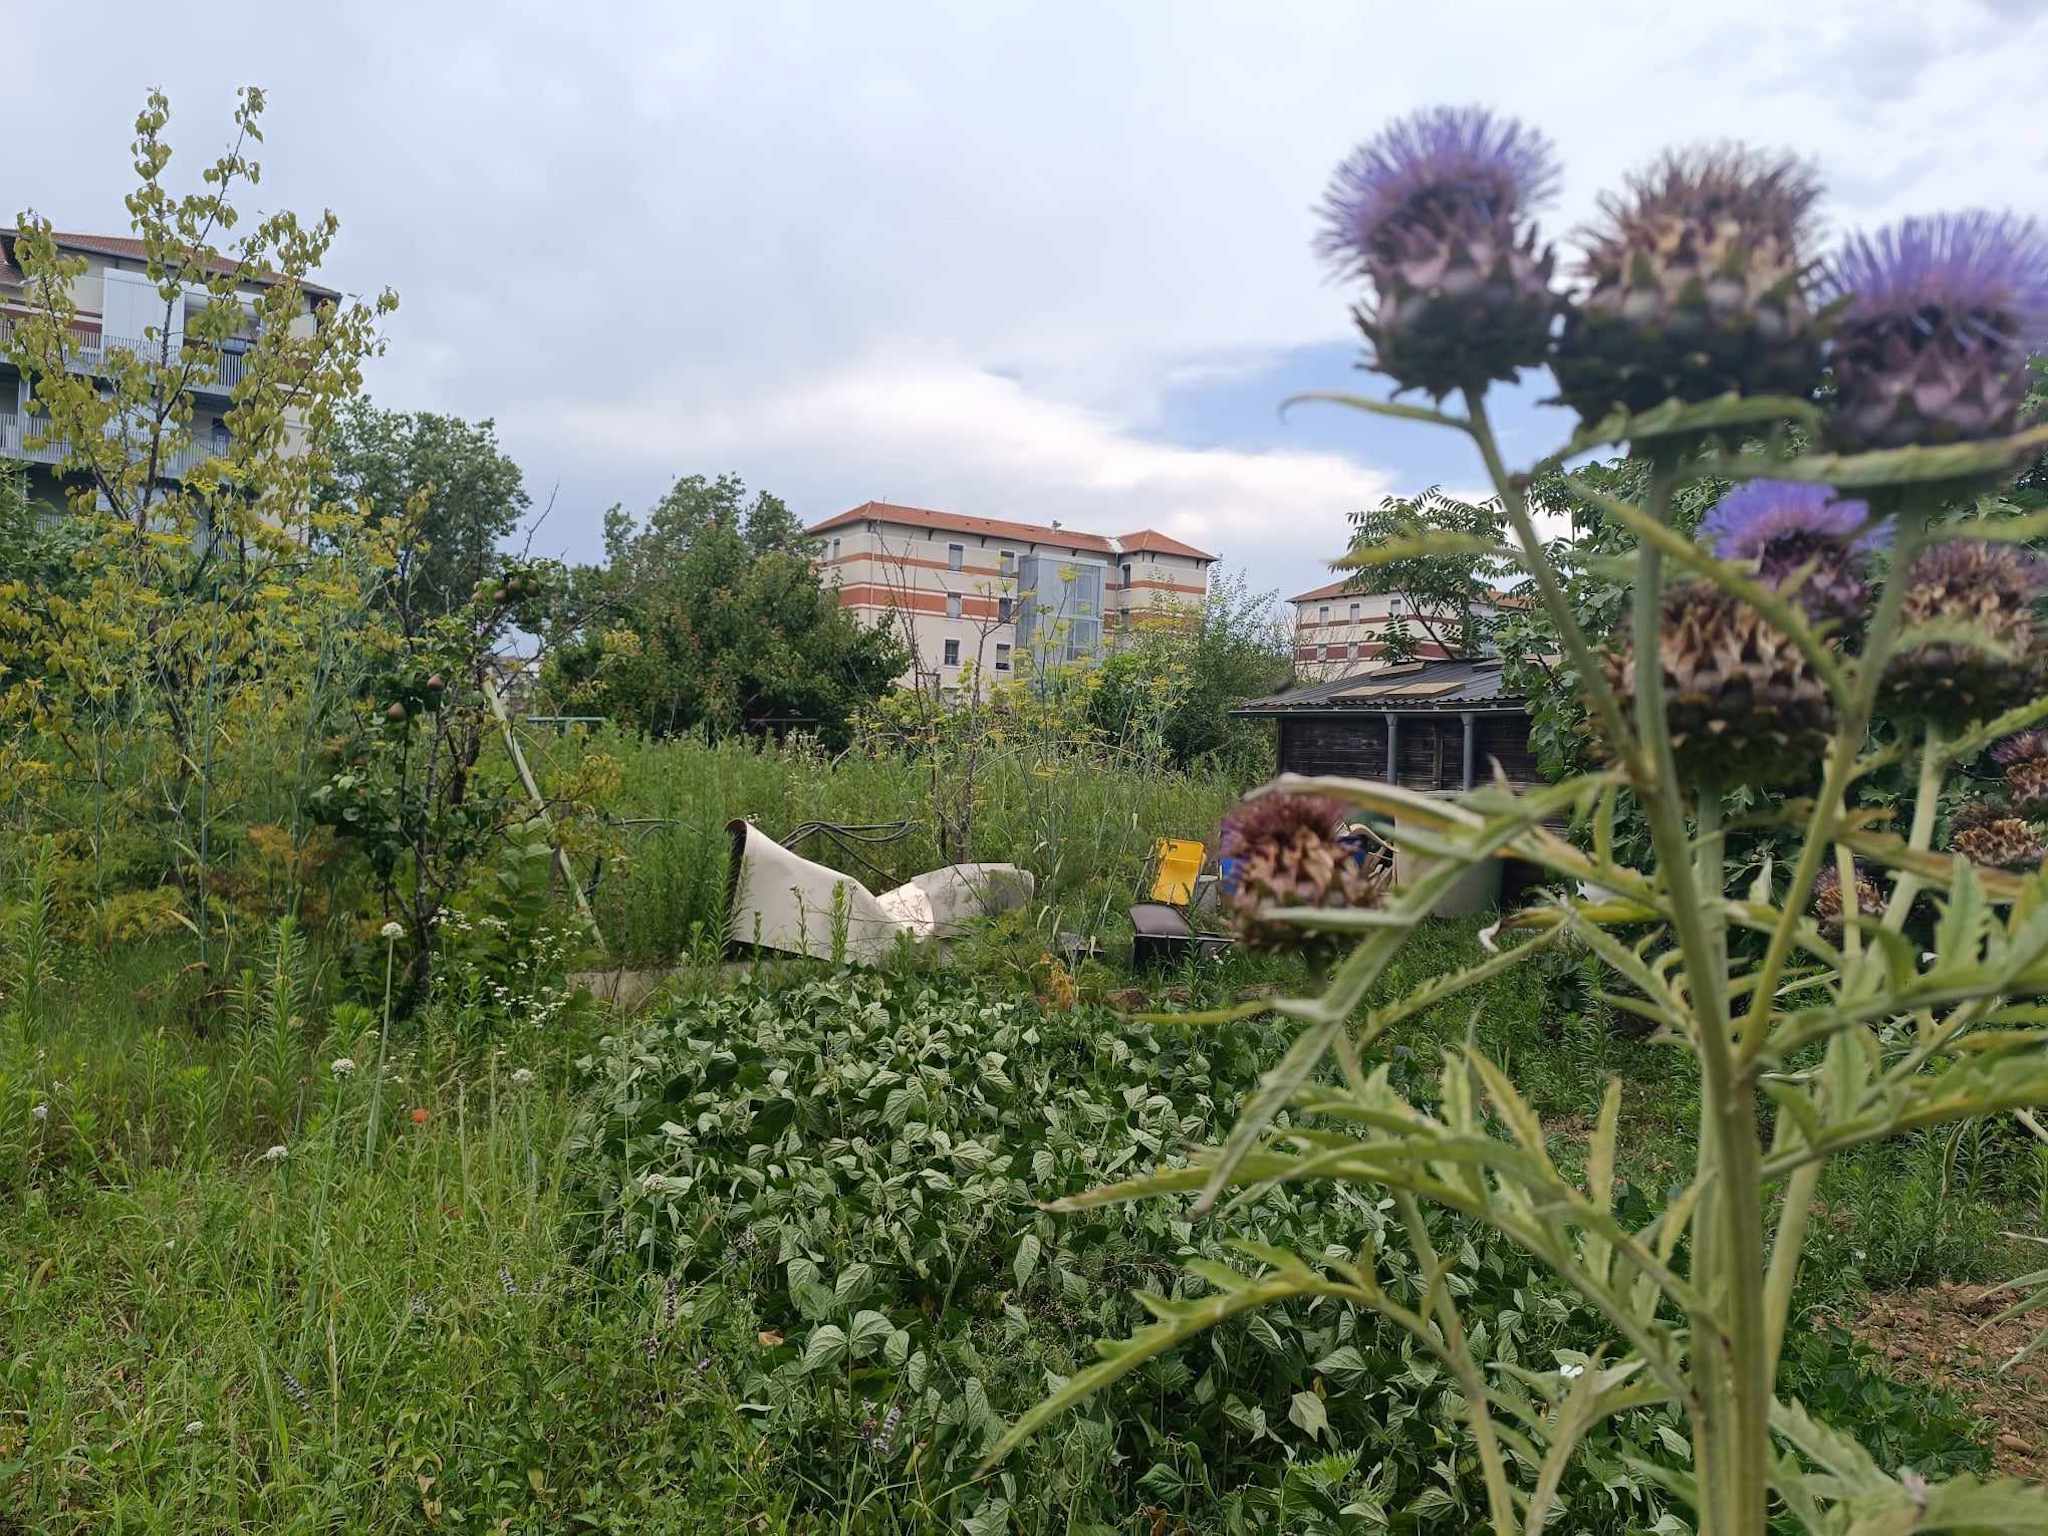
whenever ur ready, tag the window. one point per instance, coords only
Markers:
(220, 435)
(952, 653)
(1007, 561)
(952, 606)
(1002, 657)
(1354, 613)
(1002, 610)
(1322, 653)
(1127, 573)
(956, 556)
(835, 549)
(1323, 614)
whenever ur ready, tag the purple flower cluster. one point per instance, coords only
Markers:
(1796, 531)
(1982, 275)
(1440, 166)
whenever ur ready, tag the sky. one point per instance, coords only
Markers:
(1033, 260)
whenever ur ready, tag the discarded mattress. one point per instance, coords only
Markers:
(782, 900)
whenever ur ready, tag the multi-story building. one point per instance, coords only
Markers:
(982, 597)
(1338, 629)
(118, 303)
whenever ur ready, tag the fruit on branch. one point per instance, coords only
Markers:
(1742, 702)
(1282, 850)
(1937, 319)
(1435, 212)
(1696, 286)
(1988, 833)
(1827, 898)
(2025, 760)
(1980, 596)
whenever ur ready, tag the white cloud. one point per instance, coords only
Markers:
(930, 428)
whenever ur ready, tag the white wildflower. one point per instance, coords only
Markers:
(522, 1077)
(342, 1066)
(197, 1426)
(277, 1154)
(1571, 1372)
(41, 1111)
(392, 931)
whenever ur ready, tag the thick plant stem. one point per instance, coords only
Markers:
(1516, 502)
(1732, 1411)
(1820, 825)
(383, 1043)
(1500, 1499)
(1906, 884)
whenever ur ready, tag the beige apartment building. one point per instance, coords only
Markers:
(118, 303)
(985, 598)
(1338, 630)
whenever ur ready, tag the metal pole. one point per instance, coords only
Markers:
(1393, 747)
(1471, 746)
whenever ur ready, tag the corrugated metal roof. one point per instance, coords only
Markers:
(1425, 687)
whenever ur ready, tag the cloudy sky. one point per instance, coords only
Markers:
(1031, 260)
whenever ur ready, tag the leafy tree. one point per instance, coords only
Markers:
(1170, 685)
(202, 584)
(714, 616)
(1442, 584)
(458, 491)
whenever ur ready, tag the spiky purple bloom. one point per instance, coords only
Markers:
(1938, 317)
(1441, 166)
(1435, 211)
(2025, 760)
(1789, 527)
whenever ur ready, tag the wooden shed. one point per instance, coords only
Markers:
(1427, 725)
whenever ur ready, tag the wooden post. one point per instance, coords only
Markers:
(540, 805)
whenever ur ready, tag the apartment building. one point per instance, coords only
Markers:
(984, 597)
(1339, 630)
(118, 305)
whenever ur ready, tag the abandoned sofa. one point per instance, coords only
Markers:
(783, 901)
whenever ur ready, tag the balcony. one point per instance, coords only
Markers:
(86, 350)
(21, 439)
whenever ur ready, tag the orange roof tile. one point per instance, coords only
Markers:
(1151, 541)
(957, 522)
(127, 248)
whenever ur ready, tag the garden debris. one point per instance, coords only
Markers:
(1942, 1335)
(782, 900)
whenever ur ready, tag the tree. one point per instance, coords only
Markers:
(204, 575)
(713, 615)
(1445, 580)
(458, 491)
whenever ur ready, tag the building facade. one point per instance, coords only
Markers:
(983, 598)
(1339, 630)
(118, 305)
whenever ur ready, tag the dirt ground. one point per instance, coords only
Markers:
(1937, 1334)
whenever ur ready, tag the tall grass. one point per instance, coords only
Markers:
(1082, 822)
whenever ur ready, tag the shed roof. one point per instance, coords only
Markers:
(1422, 687)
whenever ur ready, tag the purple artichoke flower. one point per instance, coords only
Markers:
(1696, 286)
(1435, 211)
(1290, 851)
(1938, 318)
(1786, 526)
(2025, 760)
(1982, 590)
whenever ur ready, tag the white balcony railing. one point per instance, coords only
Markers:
(86, 350)
(22, 438)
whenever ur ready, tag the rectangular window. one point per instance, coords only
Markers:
(1354, 613)
(1323, 614)
(1002, 657)
(835, 549)
(952, 653)
(956, 556)
(1322, 653)
(1007, 561)
(952, 605)
(1002, 610)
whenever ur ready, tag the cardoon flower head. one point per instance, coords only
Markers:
(1289, 851)
(1976, 601)
(1938, 318)
(1828, 903)
(1742, 702)
(1435, 211)
(1696, 286)
(1989, 833)
(1786, 526)
(2025, 760)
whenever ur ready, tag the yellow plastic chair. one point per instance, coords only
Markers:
(1176, 862)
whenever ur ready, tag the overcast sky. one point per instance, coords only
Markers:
(1027, 260)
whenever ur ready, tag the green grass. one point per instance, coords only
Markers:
(461, 1328)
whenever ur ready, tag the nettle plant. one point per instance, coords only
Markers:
(1828, 590)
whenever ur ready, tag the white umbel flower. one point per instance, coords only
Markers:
(342, 1066)
(522, 1077)
(277, 1154)
(392, 931)
(41, 1111)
